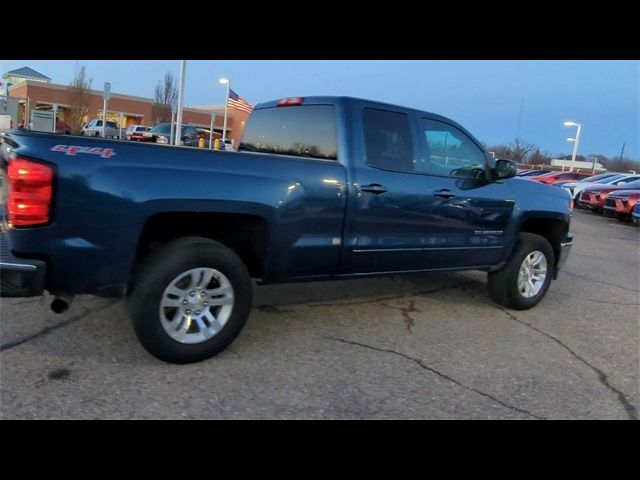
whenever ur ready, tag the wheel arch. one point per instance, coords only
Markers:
(550, 225)
(246, 234)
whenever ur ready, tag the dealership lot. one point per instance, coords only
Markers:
(430, 347)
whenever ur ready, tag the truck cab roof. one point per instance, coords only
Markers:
(346, 102)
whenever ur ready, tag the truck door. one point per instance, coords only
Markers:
(387, 215)
(466, 215)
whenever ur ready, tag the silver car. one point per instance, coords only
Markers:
(94, 129)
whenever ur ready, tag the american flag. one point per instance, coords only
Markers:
(236, 101)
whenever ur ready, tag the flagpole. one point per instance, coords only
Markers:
(183, 68)
(226, 107)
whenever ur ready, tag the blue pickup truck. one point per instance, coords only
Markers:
(320, 188)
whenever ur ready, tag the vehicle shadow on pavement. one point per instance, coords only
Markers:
(99, 329)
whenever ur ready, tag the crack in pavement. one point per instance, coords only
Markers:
(408, 319)
(592, 300)
(384, 299)
(271, 309)
(34, 300)
(599, 281)
(438, 373)
(49, 329)
(629, 408)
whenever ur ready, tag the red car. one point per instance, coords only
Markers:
(553, 177)
(620, 203)
(594, 197)
(137, 133)
(63, 128)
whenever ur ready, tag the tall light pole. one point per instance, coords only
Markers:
(183, 69)
(576, 141)
(106, 96)
(213, 121)
(226, 106)
(55, 117)
(570, 140)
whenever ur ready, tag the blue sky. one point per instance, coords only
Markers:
(484, 96)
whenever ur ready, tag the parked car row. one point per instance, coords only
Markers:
(160, 133)
(190, 136)
(613, 179)
(552, 178)
(613, 193)
(531, 172)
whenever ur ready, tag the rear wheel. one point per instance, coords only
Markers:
(191, 300)
(526, 277)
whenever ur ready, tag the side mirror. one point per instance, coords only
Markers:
(504, 169)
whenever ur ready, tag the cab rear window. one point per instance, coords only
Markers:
(301, 131)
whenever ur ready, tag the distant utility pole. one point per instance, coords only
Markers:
(623, 143)
(520, 118)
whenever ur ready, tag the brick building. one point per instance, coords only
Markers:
(35, 91)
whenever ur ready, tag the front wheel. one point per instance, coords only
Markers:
(190, 300)
(526, 277)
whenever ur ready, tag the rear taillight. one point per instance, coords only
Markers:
(30, 192)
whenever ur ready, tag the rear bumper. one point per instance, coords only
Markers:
(19, 277)
(565, 249)
(611, 211)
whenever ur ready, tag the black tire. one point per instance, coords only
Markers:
(503, 284)
(156, 273)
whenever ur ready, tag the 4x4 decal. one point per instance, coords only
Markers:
(74, 150)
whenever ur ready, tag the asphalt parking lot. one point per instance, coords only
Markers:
(424, 347)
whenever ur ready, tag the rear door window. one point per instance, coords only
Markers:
(301, 131)
(388, 140)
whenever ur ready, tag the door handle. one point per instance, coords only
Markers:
(374, 188)
(444, 193)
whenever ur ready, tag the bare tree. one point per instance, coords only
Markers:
(501, 151)
(540, 158)
(165, 95)
(520, 150)
(620, 164)
(79, 96)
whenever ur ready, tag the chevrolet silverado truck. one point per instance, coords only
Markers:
(321, 188)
